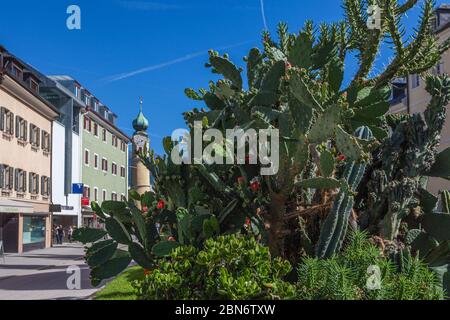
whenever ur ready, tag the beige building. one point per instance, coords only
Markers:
(410, 96)
(25, 158)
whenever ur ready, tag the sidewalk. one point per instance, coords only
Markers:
(41, 274)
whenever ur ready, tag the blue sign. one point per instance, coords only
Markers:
(77, 188)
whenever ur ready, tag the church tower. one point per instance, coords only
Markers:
(140, 175)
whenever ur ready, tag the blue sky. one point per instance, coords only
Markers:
(166, 38)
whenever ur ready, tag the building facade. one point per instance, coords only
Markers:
(26, 130)
(95, 154)
(104, 159)
(66, 151)
(409, 94)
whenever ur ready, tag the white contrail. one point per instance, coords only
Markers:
(263, 13)
(187, 57)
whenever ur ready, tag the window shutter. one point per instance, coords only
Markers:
(11, 122)
(43, 140)
(2, 119)
(24, 185)
(16, 179)
(17, 126)
(2, 176)
(11, 178)
(25, 135)
(37, 184)
(42, 185)
(30, 182)
(38, 137)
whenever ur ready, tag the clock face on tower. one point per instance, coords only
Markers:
(140, 141)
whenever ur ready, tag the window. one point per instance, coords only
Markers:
(95, 129)
(114, 168)
(17, 72)
(104, 135)
(35, 134)
(6, 121)
(95, 194)
(45, 141)
(87, 99)
(87, 123)
(114, 141)
(6, 177)
(21, 128)
(86, 157)
(33, 229)
(34, 86)
(34, 183)
(122, 171)
(122, 197)
(104, 165)
(87, 192)
(77, 91)
(104, 195)
(123, 146)
(20, 183)
(45, 186)
(416, 80)
(114, 196)
(95, 161)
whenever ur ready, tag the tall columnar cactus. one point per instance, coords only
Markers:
(335, 227)
(400, 164)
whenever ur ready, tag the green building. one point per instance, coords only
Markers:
(104, 167)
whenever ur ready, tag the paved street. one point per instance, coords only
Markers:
(41, 274)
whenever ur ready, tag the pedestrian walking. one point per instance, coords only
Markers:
(56, 234)
(61, 234)
(70, 234)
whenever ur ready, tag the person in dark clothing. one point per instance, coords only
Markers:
(60, 234)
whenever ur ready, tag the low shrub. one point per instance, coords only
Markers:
(238, 268)
(228, 267)
(361, 272)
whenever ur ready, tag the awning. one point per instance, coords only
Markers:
(11, 206)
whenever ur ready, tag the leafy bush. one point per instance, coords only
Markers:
(345, 276)
(232, 267)
(229, 267)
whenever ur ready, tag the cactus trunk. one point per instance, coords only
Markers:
(275, 225)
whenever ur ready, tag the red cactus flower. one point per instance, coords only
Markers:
(248, 222)
(145, 209)
(341, 157)
(161, 204)
(255, 186)
(241, 180)
(147, 272)
(171, 239)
